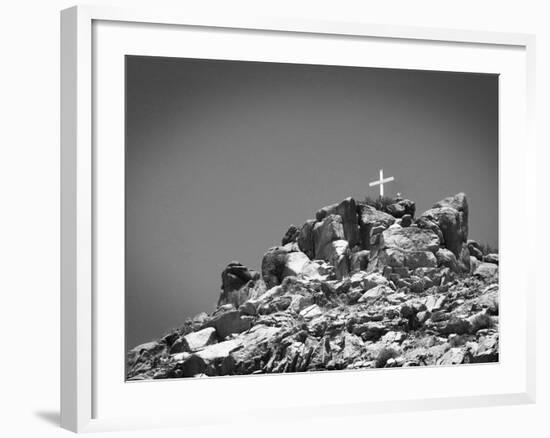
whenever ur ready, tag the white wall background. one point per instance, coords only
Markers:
(29, 219)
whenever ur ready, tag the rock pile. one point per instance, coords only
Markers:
(354, 288)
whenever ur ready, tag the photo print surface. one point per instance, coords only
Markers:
(288, 218)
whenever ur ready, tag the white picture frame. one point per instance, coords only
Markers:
(84, 175)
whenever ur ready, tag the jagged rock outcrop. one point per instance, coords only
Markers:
(295, 264)
(195, 341)
(486, 270)
(410, 247)
(229, 322)
(347, 210)
(305, 239)
(406, 220)
(491, 258)
(447, 259)
(291, 235)
(273, 266)
(339, 257)
(401, 208)
(354, 288)
(474, 249)
(359, 260)
(460, 204)
(236, 282)
(449, 220)
(279, 263)
(371, 223)
(325, 232)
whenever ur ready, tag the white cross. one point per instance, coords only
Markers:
(381, 182)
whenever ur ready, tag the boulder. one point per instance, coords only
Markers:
(191, 366)
(311, 312)
(369, 218)
(278, 264)
(423, 316)
(420, 259)
(375, 293)
(374, 279)
(407, 247)
(434, 302)
(387, 258)
(429, 223)
(198, 320)
(417, 285)
(326, 232)
(487, 271)
(291, 247)
(489, 300)
(454, 356)
(235, 278)
(402, 272)
(475, 249)
(254, 344)
(491, 258)
(353, 346)
(171, 337)
(357, 278)
(359, 260)
(225, 308)
(291, 235)
(401, 208)
(339, 258)
(460, 204)
(257, 289)
(445, 258)
(450, 215)
(464, 259)
(273, 266)
(480, 321)
(455, 325)
(279, 304)
(474, 264)
(294, 264)
(275, 291)
(149, 348)
(372, 331)
(446, 219)
(197, 340)
(410, 240)
(305, 238)
(353, 295)
(317, 270)
(228, 323)
(347, 210)
(300, 302)
(487, 349)
(219, 350)
(406, 221)
(179, 346)
(249, 308)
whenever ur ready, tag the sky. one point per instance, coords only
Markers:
(223, 156)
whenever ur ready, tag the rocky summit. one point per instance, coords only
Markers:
(362, 285)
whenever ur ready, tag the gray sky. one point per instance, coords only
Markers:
(222, 156)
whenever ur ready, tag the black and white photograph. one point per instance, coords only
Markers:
(285, 218)
(303, 217)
